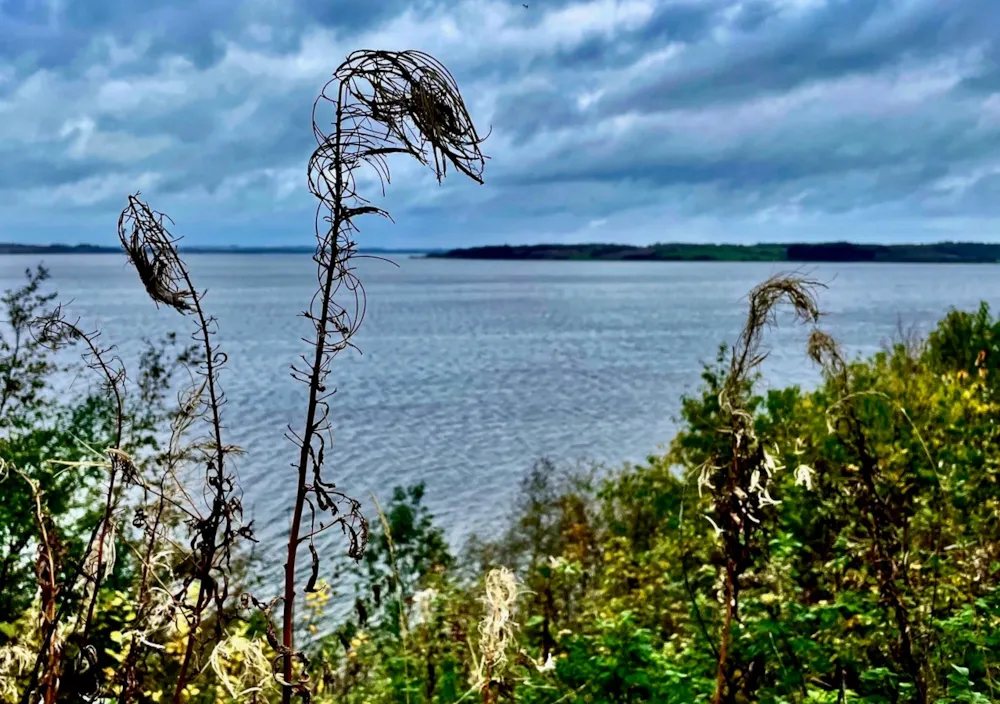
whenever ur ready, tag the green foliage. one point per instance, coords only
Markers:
(53, 440)
(36, 429)
(874, 577)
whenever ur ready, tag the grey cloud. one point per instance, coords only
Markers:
(793, 116)
(193, 29)
(845, 37)
(523, 112)
(686, 22)
(37, 171)
(768, 154)
(341, 14)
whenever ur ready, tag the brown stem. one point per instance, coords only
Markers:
(720, 672)
(99, 363)
(315, 384)
(108, 509)
(218, 504)
(128, 679)
(288, 610)
(886, 566)
(49, 588)
(56, 615)
(100, 552)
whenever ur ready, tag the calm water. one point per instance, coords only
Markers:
(472, 370)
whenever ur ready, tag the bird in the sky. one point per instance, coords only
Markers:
(525, 6)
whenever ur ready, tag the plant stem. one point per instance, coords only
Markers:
(315, 383)
(218, 503)
(720, 672)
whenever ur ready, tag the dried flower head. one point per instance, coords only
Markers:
(241, 666)
(151, 250)
(825, 352)
(414, 97)
(804, 476)
(15, 659)
(498, 625)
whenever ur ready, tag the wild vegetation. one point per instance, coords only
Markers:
(827, 545)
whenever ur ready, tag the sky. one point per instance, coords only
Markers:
(631, 121)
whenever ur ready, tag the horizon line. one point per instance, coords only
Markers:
(57, 247)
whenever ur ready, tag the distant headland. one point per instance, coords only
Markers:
(943, 252)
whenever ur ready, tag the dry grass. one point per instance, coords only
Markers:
(497, 628)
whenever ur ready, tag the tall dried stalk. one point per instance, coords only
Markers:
(383, 103)
(889, 562)
(151, 250)
(739, 477)
(47, 566)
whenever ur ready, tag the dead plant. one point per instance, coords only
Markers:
(739, 477)
(383, 103)
(884, 521)
(151, 249)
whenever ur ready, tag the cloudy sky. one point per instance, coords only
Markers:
(612, 120)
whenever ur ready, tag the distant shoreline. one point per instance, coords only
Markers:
(11, 248)
(939, 253)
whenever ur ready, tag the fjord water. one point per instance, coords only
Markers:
(471, 370)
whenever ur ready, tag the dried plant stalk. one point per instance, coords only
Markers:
(152, 250)
(383, 103)
(889, 562)
(57, 328)
(54, 331)
(739, 479)
(497, 628)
